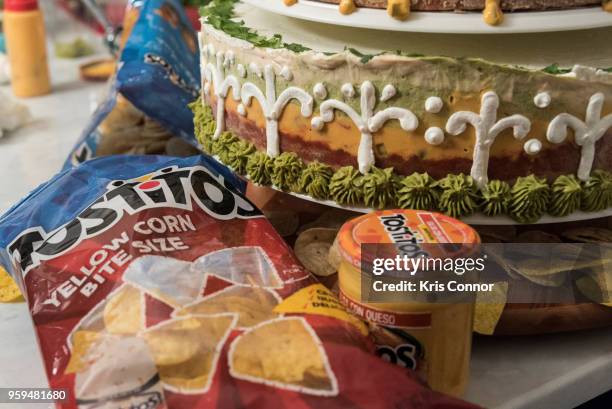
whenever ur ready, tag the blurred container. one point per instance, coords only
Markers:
(24, 29)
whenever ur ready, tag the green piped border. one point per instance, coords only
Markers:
(528, 199)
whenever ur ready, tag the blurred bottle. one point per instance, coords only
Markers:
(24, 29)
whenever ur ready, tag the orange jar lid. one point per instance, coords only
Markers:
(397, 226)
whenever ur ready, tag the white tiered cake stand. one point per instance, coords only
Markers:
(442, 22)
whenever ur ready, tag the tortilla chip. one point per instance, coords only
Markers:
(246, 265)
(489, 308)
(284, 353)
(588, 235)
(548, 266)
(174, 342)
(174, 282)
(193, 375)
(318, 299)
(119, 367)
(334, 258)
(253, 305)
(81, 344)
(591, 289)
(9, 292)
(312, 249)
(123, 312)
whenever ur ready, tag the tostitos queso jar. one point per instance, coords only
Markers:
(433, 339)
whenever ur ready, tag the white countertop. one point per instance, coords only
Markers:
(559, 371)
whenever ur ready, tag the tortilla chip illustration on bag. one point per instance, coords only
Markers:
(123, 312)
(285, 353)
(154, 283)
(186, 350)
(252, 305)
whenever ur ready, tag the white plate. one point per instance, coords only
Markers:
(442, 22)
(478, 219)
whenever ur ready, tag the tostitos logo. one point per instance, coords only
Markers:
(171, 187)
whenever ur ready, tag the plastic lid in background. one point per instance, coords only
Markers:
(381, 226)
(20, 5)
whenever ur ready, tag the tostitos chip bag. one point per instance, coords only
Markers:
(153, 283)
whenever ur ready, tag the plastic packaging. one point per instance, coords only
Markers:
(158, 76)
(152, 282)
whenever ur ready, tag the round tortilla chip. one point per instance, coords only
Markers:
(123, 312)
(312, 249)
(334, 258)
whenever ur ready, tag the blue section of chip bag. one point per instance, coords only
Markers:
(158, 73)
(61, 199)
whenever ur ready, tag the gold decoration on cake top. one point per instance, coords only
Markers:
(492, 13)
(347, 6)
(289, 2)
(398, 9)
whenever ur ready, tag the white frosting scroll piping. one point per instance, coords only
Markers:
(319, 91)
(286, 73)
(215, 73)
(272, 106)
(366, 121)
(317, 123)
(532, 147)
(241, 110)
(388, 92)
(201, 44)
(487, 128)
(241, 70)
(433, 105)
(230, 58)
(542, 100)
(434, 135)
(348, 90)
(586, 134)
(255, 70)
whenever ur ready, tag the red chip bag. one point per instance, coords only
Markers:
(155, 284)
